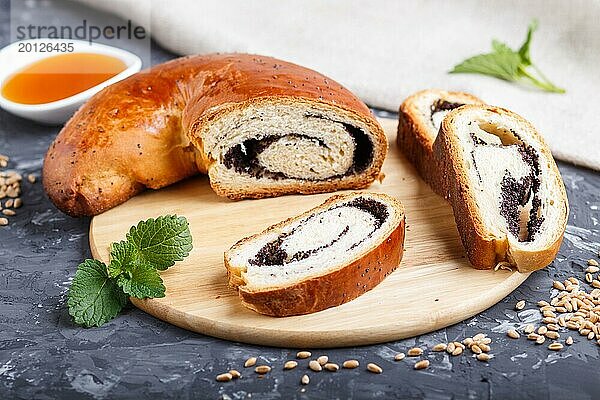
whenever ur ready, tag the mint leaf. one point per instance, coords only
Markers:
(524, 49)
(141, 281)
(94, 298)
(504, 65)
(162, 241)
(114, 269)
(122, 255)
(134, 276)
(99, 292)
(499, 47)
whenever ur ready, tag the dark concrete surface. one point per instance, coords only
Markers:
(43, 355)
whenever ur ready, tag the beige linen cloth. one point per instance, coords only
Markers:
(385, 50)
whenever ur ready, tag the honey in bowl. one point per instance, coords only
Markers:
(61, 76)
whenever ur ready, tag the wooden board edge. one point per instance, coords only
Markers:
(330, 338)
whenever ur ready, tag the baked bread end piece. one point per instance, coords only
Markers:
(322, 258)
(419, 120)
(509, 200)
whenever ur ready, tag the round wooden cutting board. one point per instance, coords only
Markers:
(434, 286)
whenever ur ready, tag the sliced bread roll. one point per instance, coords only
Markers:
(420, 117)
(323, 258)
(507, 194)
(258, 126)
(287, 144)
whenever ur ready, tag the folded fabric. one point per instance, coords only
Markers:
(386, 50)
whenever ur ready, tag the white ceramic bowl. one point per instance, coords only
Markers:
(57, 112)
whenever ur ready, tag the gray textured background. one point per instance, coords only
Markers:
(43, 355)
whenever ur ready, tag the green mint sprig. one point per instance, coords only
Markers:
(99, 291)
(509, 65)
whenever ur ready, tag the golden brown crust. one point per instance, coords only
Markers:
(415, 140)
(484, 250)
(133, 134)
(329, 290)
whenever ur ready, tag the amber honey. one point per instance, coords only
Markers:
(60, 76)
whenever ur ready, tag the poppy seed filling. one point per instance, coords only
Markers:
(274, 253)
(243, 157)
(517, 193)
(441, 105)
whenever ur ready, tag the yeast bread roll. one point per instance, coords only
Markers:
(509, 200)
(257, 125)
(419, 120)
(322, 258)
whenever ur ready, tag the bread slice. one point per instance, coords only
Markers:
(322, 258)
(420, 117)
(507, 194)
